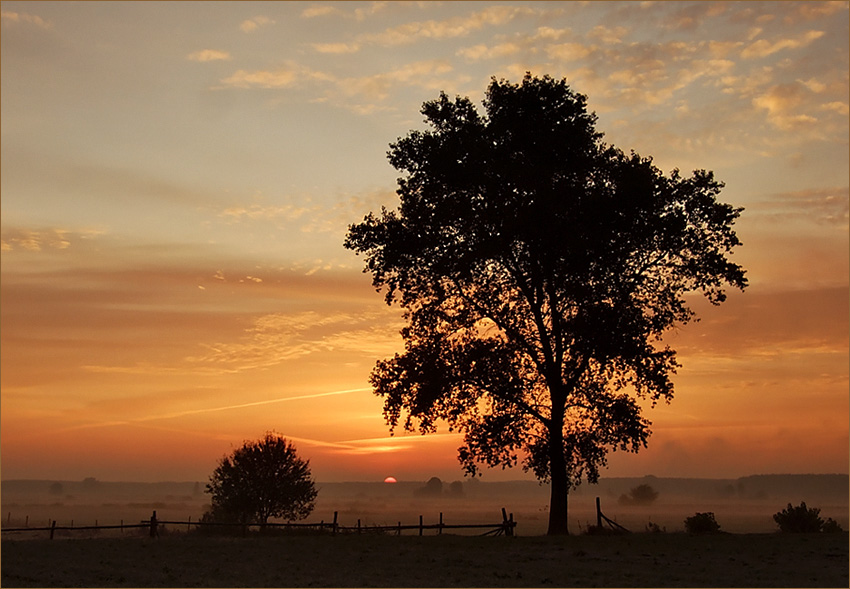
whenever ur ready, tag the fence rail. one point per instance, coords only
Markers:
(506, 526)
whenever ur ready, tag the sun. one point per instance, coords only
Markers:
(390, 480)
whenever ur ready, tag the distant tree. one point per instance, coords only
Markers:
(56, 488)
(433, 488)
(641, 495)
(538, 269)
(259, 480)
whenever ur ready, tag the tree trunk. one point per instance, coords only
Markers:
(560, 485)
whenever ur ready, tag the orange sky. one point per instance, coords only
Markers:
(176, 189)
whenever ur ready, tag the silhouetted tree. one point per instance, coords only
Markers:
(259, 480)
(433, 488)
(641, 495)
(538, 269)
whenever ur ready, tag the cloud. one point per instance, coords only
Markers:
(781, 101)
(481, 51)
(13, 18)
(764, 48)
(280, 78)
(36, 240)
(823, 206)
(814, 10)
(336, 48)
(459, 26)
(428, 74)
(608, 36)
(209, 55)
(280, 337)
(841, 108)
(319, 10)
(288, 212)
(252, 24)
(569, 51)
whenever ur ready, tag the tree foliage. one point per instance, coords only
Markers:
(259, 480)
(538, 268)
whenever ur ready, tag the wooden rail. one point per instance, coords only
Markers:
(506, 526)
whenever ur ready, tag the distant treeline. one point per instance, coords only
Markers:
(782, 487)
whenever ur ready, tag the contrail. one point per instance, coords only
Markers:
(253, 404)
(211, 409)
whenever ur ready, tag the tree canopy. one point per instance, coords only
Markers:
(538, 269)
(261, 479)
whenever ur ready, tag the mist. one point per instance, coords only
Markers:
(742, 505)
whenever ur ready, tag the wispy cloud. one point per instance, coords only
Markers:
(10, 18)
(252, 24)
(209, 55)
(317, 10)
(459, 26)
(336, 48)
(764, 48)
(36, 240)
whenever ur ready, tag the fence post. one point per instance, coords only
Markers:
(440, 529)
(399, 529)
(598, 514)
(335, 524)
(122, 527)
(52, 529)
(507, 524)
(420, 525)
(358, 526)
(154, 531)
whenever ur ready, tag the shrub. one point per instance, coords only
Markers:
(830, 526)
(702, 523)
(640, 495)
(799, 520)
(655, 528)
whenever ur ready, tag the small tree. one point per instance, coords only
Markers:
(640, 495)
(799, 520)
(259, 480)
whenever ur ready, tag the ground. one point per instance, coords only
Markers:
(635, 560)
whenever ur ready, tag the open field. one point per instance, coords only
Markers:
(635, 560)
(743, 505)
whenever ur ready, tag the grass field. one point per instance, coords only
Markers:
(635, 560)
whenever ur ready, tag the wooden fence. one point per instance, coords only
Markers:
(506, 526)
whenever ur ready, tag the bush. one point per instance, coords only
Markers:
(799, 520)
(830, 526)
(702, 523)
(640, 495)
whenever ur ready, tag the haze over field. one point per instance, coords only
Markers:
(178, 179)
(744, 504)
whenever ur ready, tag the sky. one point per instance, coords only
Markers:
(178, 178)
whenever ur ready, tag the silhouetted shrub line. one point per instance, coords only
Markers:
(804, 520)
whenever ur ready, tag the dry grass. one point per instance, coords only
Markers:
(636, 560)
